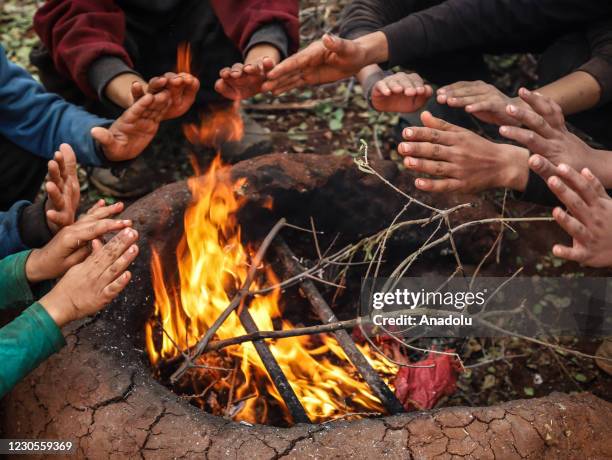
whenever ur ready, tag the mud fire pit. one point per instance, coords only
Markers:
(111, 389)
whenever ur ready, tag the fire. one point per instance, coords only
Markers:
(212, 264)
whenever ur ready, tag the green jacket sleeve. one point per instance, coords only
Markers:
(25, 343)
(15, 290)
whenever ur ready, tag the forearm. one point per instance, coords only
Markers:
(514, 168)
(575, 92)
(600, 164)
(25, 343)
(376, 48)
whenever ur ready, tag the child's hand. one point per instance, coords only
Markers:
(461, 160)
(480, 99)
(89, 286)
(62, 189)
(132, 132)
(590, 221)
(242, 81)
(183, 88)
(71, 245)
(400, 92)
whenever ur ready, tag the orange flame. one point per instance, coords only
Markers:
(212, 264)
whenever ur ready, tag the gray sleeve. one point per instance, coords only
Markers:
(272, 34)
(103, 70)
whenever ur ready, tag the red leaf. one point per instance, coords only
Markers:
(421, 388)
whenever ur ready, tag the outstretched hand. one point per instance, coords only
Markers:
(484, 101)
(327, 60)
(242, 81)
(400, 92)
(62, 188)
(87, 287)
(589, 220)
(182, 88)
(461, 160)
(544, 131)
(72, 243)
(132, 132)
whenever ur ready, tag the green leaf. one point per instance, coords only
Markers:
(580, 377)
(528, 391)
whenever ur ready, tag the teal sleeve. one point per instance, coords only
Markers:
(25, 343)
(15, 290)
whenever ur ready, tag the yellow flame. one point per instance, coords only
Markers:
(212, 264)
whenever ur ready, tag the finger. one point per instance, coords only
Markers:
(433, 168)
(117, 286)
(96, 245)
(103, 136)
(578, 183)
(137, 90)
(78, 256)
(226, 90)
(70, 160)
(120, 264)
(396, 87)
(544, 106)
(55, 195)
(531, 120)
(338, 45)
(86, 231)
(464, 88)
(157, 84)
(425, 150)
(569, 198)
(381, 88)
(463, 100)
(236, 71)
(573, 254)
(103, 212)
(434, 136)
(570, 224)
(225, 73)
(438, 186)
(438, 123)
(530, 139)
(54, 174)
(542, 166)
(59, 159)
(595, 183)
(480, 106)
(295, 82)
(115, 248)
(268, 64)
(428, 91)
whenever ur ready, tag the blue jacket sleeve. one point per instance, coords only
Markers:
(39, 121)
(10, 240)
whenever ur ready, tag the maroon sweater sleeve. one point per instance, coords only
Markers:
(78, 32)
(242, 18)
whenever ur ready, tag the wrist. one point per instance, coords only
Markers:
(514, 167)
(261, 51)
(34, 267)
(119, 89)
(375, 47)
(58, 307)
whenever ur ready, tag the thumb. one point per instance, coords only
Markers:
(106, 140)
(336, 44)
(437, 123)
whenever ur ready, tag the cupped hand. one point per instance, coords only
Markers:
(132, 132)
(461, 160)
(589, 220)
(242, 81)
(71, 244)
(63, 189)
(89, 286)
(484, 101)
(182, 88)
(400, 92)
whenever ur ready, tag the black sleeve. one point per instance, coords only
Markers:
(361, 17)
(600, 65)
(484, 24)
(33, 227)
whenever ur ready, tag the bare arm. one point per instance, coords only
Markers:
(575, 92)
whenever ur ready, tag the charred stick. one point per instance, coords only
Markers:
(278, 378)
(326, 315)
(235, 303)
